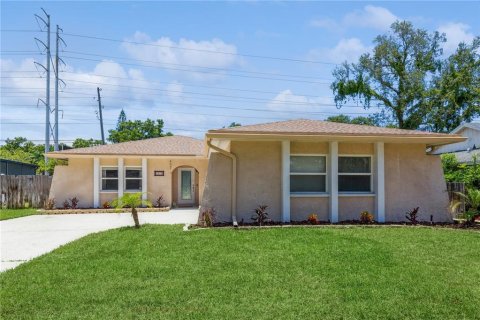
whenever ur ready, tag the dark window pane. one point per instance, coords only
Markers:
(133, 173)
(354, 164)
(110, 173)
(109, 184)
(354, 183)
(133, 184)
(307, 164)
(307, 183)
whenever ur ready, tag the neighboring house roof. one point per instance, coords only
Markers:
(467, 156)
(325, 128)
(471, 125)
(164, 146)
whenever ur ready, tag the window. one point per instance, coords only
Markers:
(133, 179)
(109, 179)
(308, 173)
(355, 174)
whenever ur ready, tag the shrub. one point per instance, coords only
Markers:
(66, 205)
(49, 204)
(261, 215)
(74, 202)
(472, 202)
(412, 215)
(159, 202)
(312, 219)
(207, 217)
(366, 217)
(106, 205)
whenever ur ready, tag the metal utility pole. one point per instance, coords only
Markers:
(47, 92)
(57, 79)
(100, 113)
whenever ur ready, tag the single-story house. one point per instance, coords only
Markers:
(296, 167)
(464, 151)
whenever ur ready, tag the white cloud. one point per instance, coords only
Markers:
(174, 91)
(174, 56)
(349, 49)
(369, 16)
(290, 102)
(456, 33)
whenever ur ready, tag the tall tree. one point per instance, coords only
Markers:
(122, 117)
(137, 130)
(342, 118)
(83, 143)
(396, 75)
(455, 96)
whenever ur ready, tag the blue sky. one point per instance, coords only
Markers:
(205, 65)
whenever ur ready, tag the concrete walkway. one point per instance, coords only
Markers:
(25, 238)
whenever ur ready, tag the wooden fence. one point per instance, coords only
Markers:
(453, 188)
(22, 191)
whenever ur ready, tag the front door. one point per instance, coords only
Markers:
(186, 186)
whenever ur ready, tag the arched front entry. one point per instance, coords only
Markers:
(185, 187)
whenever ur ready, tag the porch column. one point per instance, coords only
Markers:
(144, 178)
(380, 181)
(333, 174)
(286, 181)
(121, 178)
(96, 182)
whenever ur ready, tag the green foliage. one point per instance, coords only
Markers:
(472, 202)
(129, 130)
(122, 117)
(342, 118)
(234, 124)
(455, 96)
(132, 201)
(461, 172)
(84, 143)
(396, 75)
(20, 149)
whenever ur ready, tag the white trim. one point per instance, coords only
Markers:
(356, 194)
(192, 187)
(144, 178)
(107, 178)
(96, 181)
(380, 181)
(333, 185)
(358, 173)
(121, 176)
(125, 178)
(286, 181)
(309, 195)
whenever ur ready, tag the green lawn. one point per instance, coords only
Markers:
(16, 213)
(161, 272)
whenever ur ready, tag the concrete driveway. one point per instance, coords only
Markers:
(25, 238)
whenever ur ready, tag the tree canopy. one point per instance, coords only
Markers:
(407, 76)
(131, 130)
(342, 118)
(84, 143)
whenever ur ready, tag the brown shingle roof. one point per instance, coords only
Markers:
(170, 146)
(317, 127)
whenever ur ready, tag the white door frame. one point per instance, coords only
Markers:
(179, 187)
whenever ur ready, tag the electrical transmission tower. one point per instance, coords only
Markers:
(46, 102)
(59, 41)
(99, 113)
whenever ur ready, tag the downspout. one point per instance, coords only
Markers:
(234, 178)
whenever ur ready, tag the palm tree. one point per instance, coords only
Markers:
(472, 200)
(133, 201)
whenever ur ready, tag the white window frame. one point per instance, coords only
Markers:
(306, 193)
(125, 178)
(357, 173)
(108, 178)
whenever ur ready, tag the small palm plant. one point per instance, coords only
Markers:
(133, 201)
(472, 200)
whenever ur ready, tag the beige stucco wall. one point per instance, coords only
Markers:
(76, 179)
(302, 207)
(355, 148)
(73, 180)
(299, 147)
(414, 179)
(349, 208)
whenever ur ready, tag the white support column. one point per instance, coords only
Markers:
(380, 181)
(96, 182)
(286, 181)
(144, 179)
(333, 181)
(121, 177)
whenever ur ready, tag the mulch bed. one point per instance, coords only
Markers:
(93, 210)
